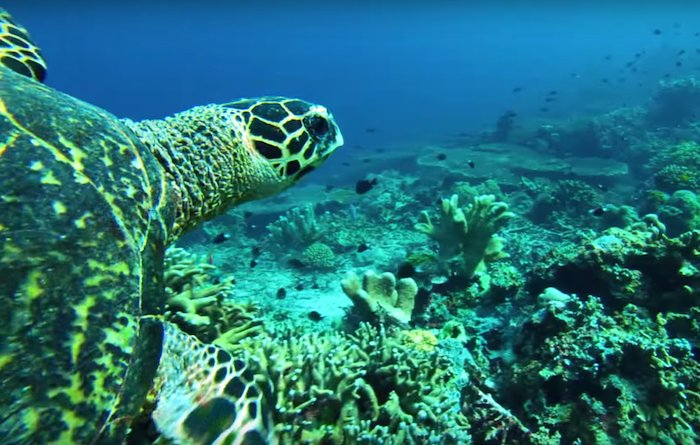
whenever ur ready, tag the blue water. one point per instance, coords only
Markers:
(415, 73)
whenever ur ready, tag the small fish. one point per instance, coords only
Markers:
(315, 286)
(281, 293)
(441, 157)
(365, 185)
(605, 80)
(315, 316)
(253, 263)
(602, 187)
(681, 52)
(210, 258)
(366, 160)
(247, 215)
(679, 63)
(598, 211)
(552, 93)
(296, 263)
(550, 99)
(220, 238)
(471, 164)
(517, 89)
(362, 247)
(328, 188)
(544, 109)
(406, 270)
(667, 75)
(370, 130)
(629, 64)
(657, 32)
(255, 252)
(299, 287)
(697, 34)
(347, 164)
(608, 57)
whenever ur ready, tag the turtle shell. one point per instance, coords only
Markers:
(84, 212)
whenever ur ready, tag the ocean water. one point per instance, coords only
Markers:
(505, 250)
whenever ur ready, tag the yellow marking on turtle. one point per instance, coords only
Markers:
(81, 221)
(32, 287)
(76, 162)
(72, 421)
(82, 310)
(49, 178)
(30, 419)
(59, 208)
(10, 199)
(36, 166)
(130, 191)
(117, 268)
(4, 360)
(97, 280)
(11, 139)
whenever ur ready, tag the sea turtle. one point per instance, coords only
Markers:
(88, 204)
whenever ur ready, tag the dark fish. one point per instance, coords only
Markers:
(638, 55)
(370, 130)
(347, 164)
(517, 89)
(681, 52)
(697, 34)
(629, 64)
(295, 263)
(362, 247)
(328, 188)
(299, 287)
(552, 93)
(667, 75)
(511, 113)
(608, 57)
(441, 157)
(544, 109)
(253, 263)
(220, 238)
(657, 32)
(255, 251)
(315, 286)
(247, 215)
(471, 164)
(366, 160)
(605, 80)
(599, 211)
(365, 185)
(406, 270)
(602, 187)
(281, 293)
(315, 316)
(679, 63)
(551, 99)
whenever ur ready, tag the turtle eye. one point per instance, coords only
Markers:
(317, 126)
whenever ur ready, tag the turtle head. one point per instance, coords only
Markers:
(17, 50)
(291, 137)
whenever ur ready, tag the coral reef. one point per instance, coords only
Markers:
(381, 299)
(318, 256)
(367, 388)
(676, 102)
(468, 232)
(297, 229)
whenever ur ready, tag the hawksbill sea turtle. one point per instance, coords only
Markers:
(88, 204)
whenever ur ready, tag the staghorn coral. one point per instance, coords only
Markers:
(361, 389)
(381, 299)
(468, 232)
(203, 309)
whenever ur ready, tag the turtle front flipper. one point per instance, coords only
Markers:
(17, 50)
(206, 396)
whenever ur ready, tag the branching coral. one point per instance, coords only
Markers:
(203, 309)
(298, 228)
(468, 232)
(381, 298)
(357, 389)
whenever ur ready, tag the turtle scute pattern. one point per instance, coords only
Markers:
(206, 396)
(17, 50)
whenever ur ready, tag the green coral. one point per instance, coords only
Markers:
(361, 389)
(204, 309)
(677, 177)
(468, 233)
(381, 299)
(596, 378)
(298, 228)
(318, 256)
